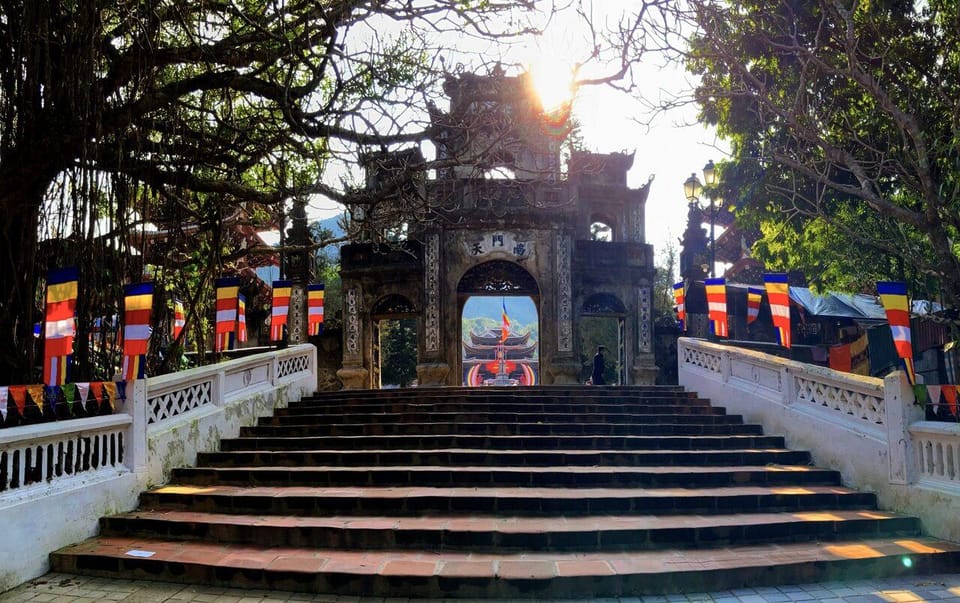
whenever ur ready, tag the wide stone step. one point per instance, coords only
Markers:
(511, 458)
(599, 405)
(419, 500)
(537, 393)
(506, 533)
(296, 417)
(502, 575)
(495, 411)
(487, 442)
(519, 429)
(540, 477)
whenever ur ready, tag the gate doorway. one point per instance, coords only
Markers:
(394, 360)
(499, 326)
(602, 322)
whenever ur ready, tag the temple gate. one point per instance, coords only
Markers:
(503, 220)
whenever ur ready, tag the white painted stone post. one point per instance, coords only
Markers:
(135, 436)
(900, 411)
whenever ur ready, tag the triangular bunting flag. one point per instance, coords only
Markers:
(51, 393)
(69, 395)
(35, 395)
(122, 391)
(920, 393)
(3, 402)
(111, 389)
(934, 392)
(950, 393)
(83, 390)
(19, 395)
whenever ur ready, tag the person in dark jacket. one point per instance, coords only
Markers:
(597, 377)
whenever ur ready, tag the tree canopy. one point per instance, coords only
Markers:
(188, 116)
(843, 121)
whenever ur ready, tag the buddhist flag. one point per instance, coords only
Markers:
(679, 300)
(137, 305)
(315, 309)
(778, 292)
(893, 296)
(717, 305)
(241, 318)
(505, 321)
(754, 295)
(281, 306)
(179, 318)
(59, 328)
(227, 291)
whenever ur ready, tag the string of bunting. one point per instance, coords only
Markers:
(38, 402)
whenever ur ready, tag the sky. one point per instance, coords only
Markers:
(669, 148)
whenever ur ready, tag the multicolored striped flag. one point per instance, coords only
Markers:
(315, 294)
(717, 305)
(778, 293)
(227, 291)
(241, 318)
(680, 301)
(179, 318)
(60, 327)
(504, 320)
(893, 296)
(137, 306)
(281, 306)
(754, 295)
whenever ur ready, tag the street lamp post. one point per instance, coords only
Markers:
(695, 192)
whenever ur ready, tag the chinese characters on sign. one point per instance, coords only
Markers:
(500, 243)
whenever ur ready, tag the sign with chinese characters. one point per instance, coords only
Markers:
(499, 243)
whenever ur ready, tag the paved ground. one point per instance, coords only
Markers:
(64, 588)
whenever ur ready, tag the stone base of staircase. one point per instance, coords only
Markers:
(547, 492)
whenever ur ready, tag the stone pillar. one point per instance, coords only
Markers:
(298, 267)
(432, 371)
(564, 368)
(644, 369)
(353, 375)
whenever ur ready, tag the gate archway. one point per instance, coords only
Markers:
(499, 307)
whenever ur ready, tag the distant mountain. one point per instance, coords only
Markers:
(332, 252)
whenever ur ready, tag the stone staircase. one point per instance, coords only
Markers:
(549, 492)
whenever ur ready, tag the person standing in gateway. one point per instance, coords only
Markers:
(597, 377)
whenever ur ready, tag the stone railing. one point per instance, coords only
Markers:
(58, 479)
(868, 429)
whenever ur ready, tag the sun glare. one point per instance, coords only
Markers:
(552, 81)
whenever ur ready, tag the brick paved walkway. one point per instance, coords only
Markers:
(64, 588)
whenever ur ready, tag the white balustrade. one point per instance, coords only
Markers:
(41, 455)
(98, 465)
(868, 429)
(937, 450)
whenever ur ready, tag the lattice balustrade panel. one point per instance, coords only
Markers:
(863, 406)
(31, 462)
(292, 365)
(179, 401)
(938, 456)
(702, 358)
